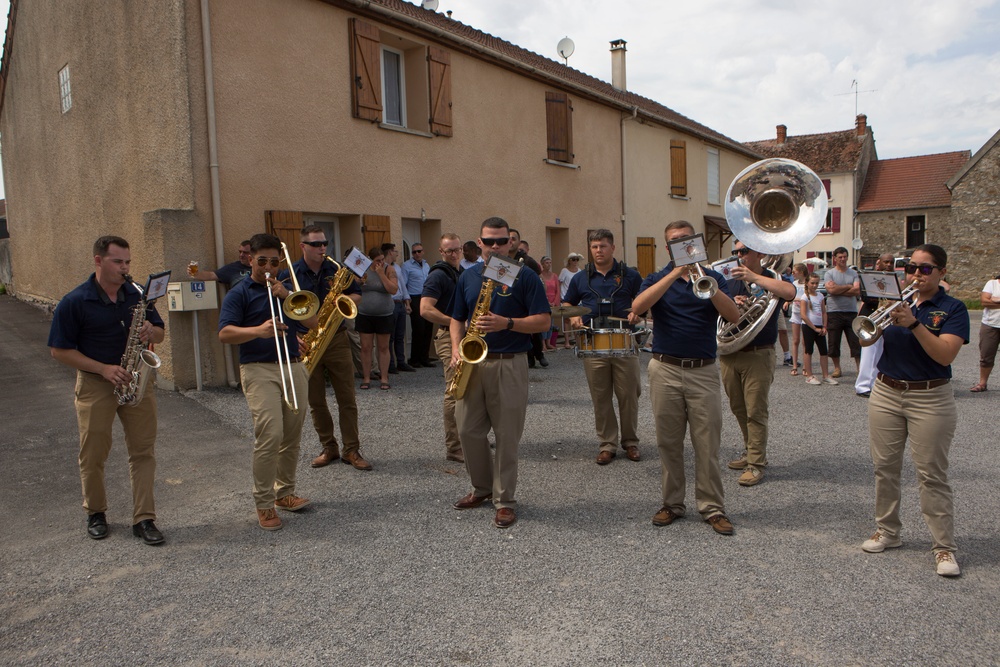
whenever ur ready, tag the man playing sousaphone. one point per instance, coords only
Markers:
(607, 288)
(747, 373)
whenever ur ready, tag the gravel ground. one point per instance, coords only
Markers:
(380, 570)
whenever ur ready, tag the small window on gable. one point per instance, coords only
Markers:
(559, 127)
(65, 96)
(713, 176)
(678, 168)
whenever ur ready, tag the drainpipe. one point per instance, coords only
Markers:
(213, 164)
(625, 246)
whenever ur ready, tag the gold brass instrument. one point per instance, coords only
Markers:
(473, 348)
(871, 327)
(138, 360)
(281, 345)
(774, 207)
(336, 307)
(300, 304)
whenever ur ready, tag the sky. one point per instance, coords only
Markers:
(928, 71)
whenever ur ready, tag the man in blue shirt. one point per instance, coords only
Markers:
(684, 384)
(245, 320)
(415, 272)
(90, 330)
(607, 287)
(497, 392)
(231, 273)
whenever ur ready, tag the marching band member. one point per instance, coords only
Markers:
(607, 288)
(913, 399)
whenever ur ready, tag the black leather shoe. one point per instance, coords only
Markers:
(393, 371)
(146, 529)
(406, 368)
(97, 526)
(543, 361)
(428, 364)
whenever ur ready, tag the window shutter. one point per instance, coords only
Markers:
(366, 68)
(826, 185)
(286, 225)
(836, 219)
(439, 75)
(376, 231)
(559, 126)
(678, 168)
(645, 252)
(810, 253)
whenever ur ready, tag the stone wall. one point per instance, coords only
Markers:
(975, 202)
(885, 231)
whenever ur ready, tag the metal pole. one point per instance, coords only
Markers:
(197, 354)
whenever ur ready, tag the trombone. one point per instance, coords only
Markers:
(284, 358)
(300, 304)
(871, 327)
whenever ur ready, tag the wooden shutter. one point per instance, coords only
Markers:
(810, 253)
(835, 220)
(826, 185)
(376, 231)
(439, 74)
(366, 71)
(678, 168)
(559, 126)
(287, 226)
(645, 253)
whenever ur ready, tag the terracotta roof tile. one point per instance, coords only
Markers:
(910, 182)
(827, 153)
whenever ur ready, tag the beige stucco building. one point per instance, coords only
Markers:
(186, 126)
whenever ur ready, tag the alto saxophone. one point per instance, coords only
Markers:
(138, 360)
(336, 307)
(473, 348)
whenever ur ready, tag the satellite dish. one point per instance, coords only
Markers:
(565, 47)
(431, 5)
(857, 244)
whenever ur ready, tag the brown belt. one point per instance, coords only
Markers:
(293, 360)
(909, 385)
(502, 355)
(683, 363)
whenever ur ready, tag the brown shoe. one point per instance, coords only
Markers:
(268, 519)
(470, 501)
(720, 524)
(738, 464)
(355, 459)
(836, 373)
(604, 458)
(504, 518)
(665, 517)
(291, 503)
(329, 455)
(632, 452)
(751, 476)
(457, 457)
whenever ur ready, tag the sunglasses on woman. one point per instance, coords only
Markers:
(923, 269)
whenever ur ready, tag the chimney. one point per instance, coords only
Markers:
(618, 64)
(782, 134)
(861, 123)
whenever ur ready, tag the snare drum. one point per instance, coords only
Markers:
(606, 343)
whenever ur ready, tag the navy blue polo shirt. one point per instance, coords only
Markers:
(769, 334)
(683, 325)
(605, 295)
(526, 297)
(87, 320)
(440, 286)
(232, 273)
(904, 358)
(246, 305)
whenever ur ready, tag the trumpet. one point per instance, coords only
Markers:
(284, 358)
(871, 327)
(704, 287)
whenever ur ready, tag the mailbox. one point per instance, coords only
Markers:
(193, 295)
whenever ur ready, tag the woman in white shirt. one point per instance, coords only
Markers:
(989, 332)
(799, 272)
(566, 275)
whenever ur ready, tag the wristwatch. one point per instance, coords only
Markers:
(510, 323)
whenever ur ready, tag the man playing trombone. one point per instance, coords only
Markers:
(273, 379)
(748, 372)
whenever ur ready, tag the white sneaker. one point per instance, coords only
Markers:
(879, 542)
(946, 565)
(812, 379)
(829, 381)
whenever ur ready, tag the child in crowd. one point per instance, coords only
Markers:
(812, 307)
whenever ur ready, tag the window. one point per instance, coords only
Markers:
(559, 127)
(826, 186)
(65, 96)
(393, 87)
(916, 226)
(713, 176)
(678, 169)
(832, 224)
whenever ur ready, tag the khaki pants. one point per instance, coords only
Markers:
(685, 397)
(96, 407)
(497, 398)
(442, 347)
(747, 378)
(337, 361)
(276, 428)
(610, 378)
(928, 418)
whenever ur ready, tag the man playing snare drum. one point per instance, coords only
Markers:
(607, 287)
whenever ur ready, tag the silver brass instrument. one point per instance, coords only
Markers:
(774, 207)
(871, 327)
(284, 358)
(300, 304)
(704, 287)
(336, 307)
(473, 348)
(138, 360)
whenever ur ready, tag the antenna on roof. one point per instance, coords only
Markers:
(565, 47)
(855, 86)
(430, 5)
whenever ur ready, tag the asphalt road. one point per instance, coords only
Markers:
(380, 570)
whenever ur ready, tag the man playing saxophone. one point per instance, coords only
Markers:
(497, 392)
(90, 330)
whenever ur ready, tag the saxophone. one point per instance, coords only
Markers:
(336, 307)
(473, 348)
(138, 360)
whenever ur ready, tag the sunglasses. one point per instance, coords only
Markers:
(741, 251)
(418, 250)
(317, 244)
(923, 269)
(263, 261)
(574, 259)
(497, 242)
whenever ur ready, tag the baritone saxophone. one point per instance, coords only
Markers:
(336, 307)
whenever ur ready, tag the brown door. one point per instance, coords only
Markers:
(286, 225)
(376, 231)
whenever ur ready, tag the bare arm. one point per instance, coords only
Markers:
(457, 331)
(942, 349)
(429, 312)
(986, 301)
(234, 335)
(725, 305)
(645, 300)
(113, 373)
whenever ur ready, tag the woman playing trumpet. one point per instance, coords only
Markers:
(913, 398)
